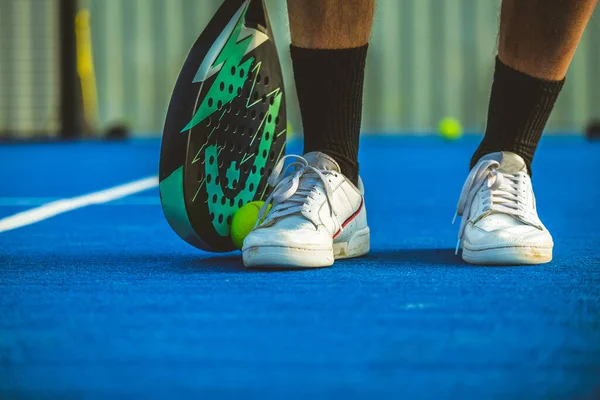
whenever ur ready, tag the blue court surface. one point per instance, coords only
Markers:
(106, 301)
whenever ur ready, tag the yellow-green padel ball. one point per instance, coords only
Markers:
(450, 129)
(243, 222)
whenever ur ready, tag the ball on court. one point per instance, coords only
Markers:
(450, 129)
(243, 222)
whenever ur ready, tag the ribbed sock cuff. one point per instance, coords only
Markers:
(519, 108)
(330, 83)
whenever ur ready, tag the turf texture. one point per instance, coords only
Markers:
(107, 302)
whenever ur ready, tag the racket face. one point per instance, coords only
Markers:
(225, 127)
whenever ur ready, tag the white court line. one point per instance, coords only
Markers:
(133, 200)
(64, 205)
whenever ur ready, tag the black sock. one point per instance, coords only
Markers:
(520, 106)
(330, 92)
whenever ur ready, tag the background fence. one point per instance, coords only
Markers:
(29, 66)
(428, 59)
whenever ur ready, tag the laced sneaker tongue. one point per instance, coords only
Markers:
(510, 163)
(322, 161)
(300, 219)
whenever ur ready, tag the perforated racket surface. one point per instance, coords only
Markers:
(225, 127)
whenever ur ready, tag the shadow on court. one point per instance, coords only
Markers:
(415, 257)
(383, 258)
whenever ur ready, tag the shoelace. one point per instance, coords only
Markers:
(503, 196)
(293, 186)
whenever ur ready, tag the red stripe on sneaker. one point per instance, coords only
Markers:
(362, 200)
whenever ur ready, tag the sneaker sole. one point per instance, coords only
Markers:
(508, 256)
(296, 257)
(357, 246)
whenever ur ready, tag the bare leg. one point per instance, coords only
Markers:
(330, 24)
(539, 37)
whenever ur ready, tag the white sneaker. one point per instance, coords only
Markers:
(317, 216)
(499, 223)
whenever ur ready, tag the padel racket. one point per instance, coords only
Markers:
(225, 127)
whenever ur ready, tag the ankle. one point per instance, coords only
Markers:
(519, 108)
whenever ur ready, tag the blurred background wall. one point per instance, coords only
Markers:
(29, 70)
(428, 59)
